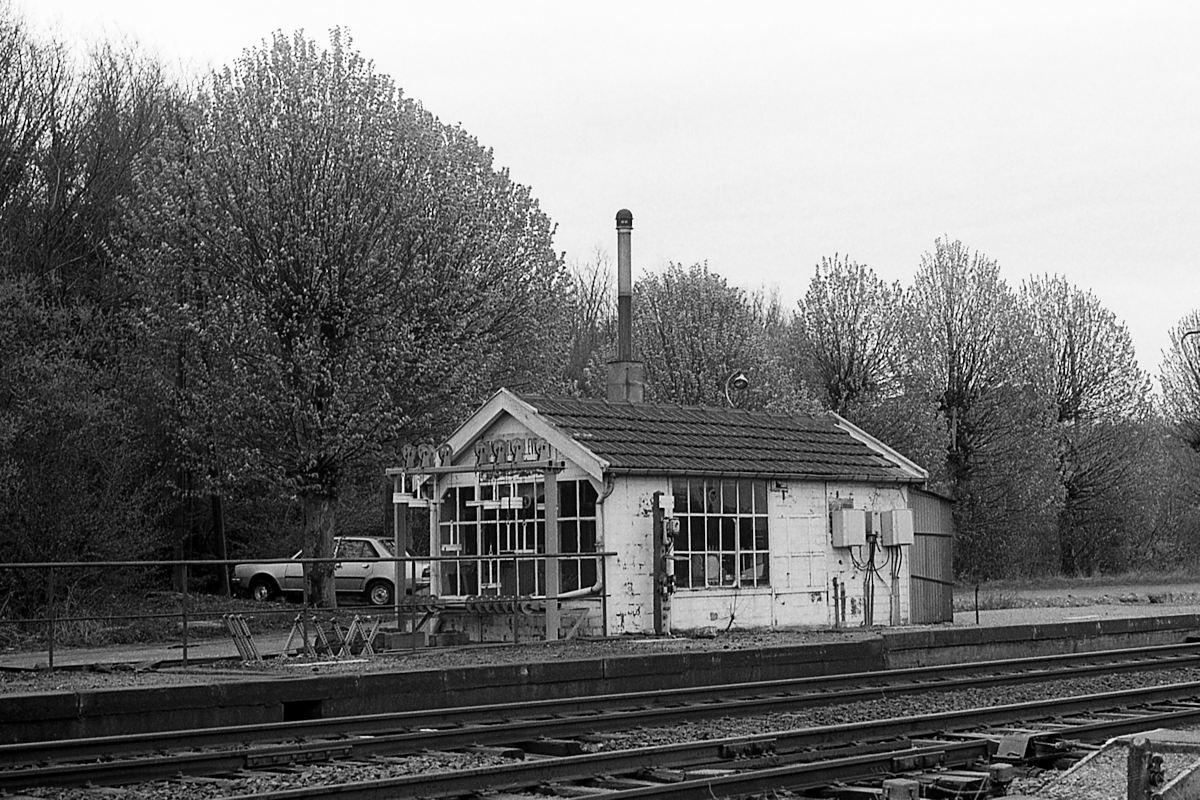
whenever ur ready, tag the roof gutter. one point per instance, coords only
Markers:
(809, 476)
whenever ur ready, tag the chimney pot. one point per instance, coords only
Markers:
(624, 218)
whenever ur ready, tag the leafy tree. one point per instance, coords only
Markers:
(694, 331)
(78, 468)
(340, 271)
(848, 330)
(1180, 375)
(966, 341)
(847, 339)
(1174, 539)
(589, 328)
(1094, 370)
(1178, 480)
(1099, 406)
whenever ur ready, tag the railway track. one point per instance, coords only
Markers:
(954, 748)
(562, 732)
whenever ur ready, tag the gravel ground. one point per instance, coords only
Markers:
(1100, 776)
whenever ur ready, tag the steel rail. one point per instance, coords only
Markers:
(509, 732)
(766, 773)
(606, 712)
(680, 756)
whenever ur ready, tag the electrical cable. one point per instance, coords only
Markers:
(860, 567)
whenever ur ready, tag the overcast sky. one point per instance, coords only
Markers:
(1054, 137)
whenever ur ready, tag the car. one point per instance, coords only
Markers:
(354, 574)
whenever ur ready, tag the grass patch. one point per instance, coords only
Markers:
(1067, 583)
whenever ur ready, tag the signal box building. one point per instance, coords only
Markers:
(665, 518)
(618, 516)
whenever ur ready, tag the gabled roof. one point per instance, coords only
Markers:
(648, 438)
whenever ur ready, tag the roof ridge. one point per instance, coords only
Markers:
(603, 401)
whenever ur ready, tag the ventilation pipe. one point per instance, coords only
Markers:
(626, 377)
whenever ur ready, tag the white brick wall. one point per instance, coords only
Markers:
(803, 563)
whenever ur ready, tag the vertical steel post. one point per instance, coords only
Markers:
(550, 490)
(837, 621)
(658, 575)
(435, 550)
(50, 613)
(603, 593)
(183, 604)
(516, 620)
(304, 605)
(397, 520)
(412, 607)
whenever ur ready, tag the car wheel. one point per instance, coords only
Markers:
(261, 589)
(379, 593)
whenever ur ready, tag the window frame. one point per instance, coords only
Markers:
(724, 533)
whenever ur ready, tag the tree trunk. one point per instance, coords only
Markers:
(218, 521)
(183, 528)
(318, 543)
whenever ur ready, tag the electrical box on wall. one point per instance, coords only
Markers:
(896, 527)
(849, 527)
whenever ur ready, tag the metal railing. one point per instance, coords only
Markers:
(52, 619)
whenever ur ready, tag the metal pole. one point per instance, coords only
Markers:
(604, 592)
(836, 616)
(397, 537)
(657, 573)
(550, 491)
(304, 605)
(50, 612)
(412, 587)
(184, 607)
(516, 620)
(435, 549)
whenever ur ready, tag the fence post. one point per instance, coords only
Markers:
(50, 613)
(304, 604)
(412, 589)
(183, 604)
(516, 620)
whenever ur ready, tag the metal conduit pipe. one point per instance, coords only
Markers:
(596, 588)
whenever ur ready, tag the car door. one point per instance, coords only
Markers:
(351, 571)
(292, 579)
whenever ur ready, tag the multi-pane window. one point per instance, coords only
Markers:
(576, 534)
(495, 522)
(723, 538)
